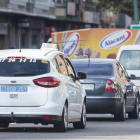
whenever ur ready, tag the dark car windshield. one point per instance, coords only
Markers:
(23, 67)
(95, 69)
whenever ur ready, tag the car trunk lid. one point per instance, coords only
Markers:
(23, 92)
(16, 81)
(94, 86)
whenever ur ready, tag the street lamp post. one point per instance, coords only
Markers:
(135, 11)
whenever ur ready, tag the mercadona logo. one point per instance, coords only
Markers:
(115, 39)
(71, 44)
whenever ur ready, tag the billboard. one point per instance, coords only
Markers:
(95, 43)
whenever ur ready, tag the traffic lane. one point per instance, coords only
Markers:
(98, 127)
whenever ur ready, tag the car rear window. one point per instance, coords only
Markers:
(23, 67)
(95, 69)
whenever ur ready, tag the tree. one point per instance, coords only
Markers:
(123, 6)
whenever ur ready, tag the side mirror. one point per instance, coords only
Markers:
(82, 75)
(132, 76)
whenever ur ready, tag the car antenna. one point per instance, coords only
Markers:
(19, 40)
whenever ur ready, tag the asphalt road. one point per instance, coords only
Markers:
(100, 127)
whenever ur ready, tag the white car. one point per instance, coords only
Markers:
(40, 86)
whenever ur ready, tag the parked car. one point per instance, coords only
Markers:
(109, 88)
(129, 57)
(40, 86)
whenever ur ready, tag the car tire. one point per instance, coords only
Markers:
(135, 113)
(4, 125)
(82, 123)
(122, 115)
(63, 125)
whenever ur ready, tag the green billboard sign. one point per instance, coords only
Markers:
(135, 26)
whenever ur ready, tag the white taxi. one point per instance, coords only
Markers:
(40, 86)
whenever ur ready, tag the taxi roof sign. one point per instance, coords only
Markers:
(48, 46)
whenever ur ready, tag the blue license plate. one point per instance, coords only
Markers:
(14, 89)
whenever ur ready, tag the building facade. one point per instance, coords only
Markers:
(22, 22)
(28, 23)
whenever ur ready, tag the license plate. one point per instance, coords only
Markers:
(14, 89)
(88, 86)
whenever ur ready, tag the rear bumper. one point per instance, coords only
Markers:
(104, 105)
(29, 119)
(50, 108)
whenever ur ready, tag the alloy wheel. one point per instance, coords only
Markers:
(66, 117)
(137, 106)
(84, 114)
(124, 110)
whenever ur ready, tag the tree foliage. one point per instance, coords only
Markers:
(123, 6)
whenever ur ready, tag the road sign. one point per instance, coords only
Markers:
(135, 26)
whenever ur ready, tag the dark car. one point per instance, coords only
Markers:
(108, 87)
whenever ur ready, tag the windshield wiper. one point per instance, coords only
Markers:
(24, 74)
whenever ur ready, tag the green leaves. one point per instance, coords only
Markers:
(123, 6)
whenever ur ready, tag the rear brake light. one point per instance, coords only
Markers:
(49, 117)
(110, 86)
(47, 82)
(16, 57)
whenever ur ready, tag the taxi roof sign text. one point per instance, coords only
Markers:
(48, 46)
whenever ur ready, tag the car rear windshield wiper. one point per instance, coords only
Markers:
(24, 74)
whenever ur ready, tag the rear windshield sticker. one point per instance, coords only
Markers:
(20, 60)
(44, 61)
